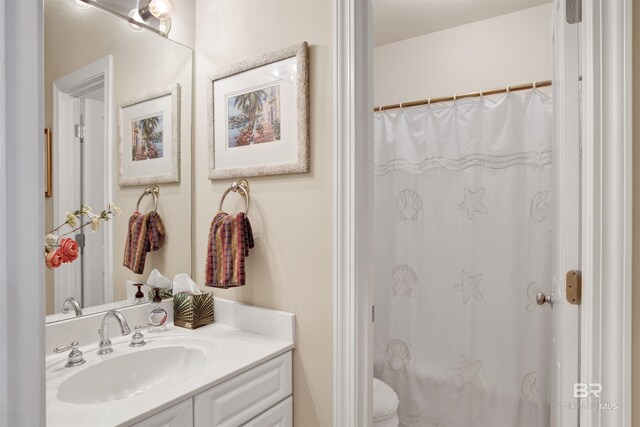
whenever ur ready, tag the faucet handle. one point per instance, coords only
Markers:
(137, 339)
(75, 356)
(74, 345)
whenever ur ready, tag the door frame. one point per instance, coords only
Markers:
(66, 167)
(565, 340)
(607, 171)
(353, 214)
(605, 204)
(22, 277)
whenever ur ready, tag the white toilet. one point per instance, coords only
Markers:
(385, 405)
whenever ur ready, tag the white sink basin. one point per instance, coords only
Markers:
(129, 374)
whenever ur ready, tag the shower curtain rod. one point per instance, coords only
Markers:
(428, 101)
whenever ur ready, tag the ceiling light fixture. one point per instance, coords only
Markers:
(156, 11)
(160, 9)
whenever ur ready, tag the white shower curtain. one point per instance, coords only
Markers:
(463, 244)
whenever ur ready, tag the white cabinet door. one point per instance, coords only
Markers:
(244, 397)
(280, 415)
(180, 415)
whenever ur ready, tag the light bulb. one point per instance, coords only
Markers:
(161, 9)
(165, 26)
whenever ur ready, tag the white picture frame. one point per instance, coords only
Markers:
(259, 116)
(149, 138)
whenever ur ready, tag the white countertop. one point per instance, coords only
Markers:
(234, 351)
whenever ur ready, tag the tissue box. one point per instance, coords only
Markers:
(192, 310)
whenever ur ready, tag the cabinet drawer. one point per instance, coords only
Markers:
(240, 399)
(180, 415)
(280, 415)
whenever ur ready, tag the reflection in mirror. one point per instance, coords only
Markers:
(96, 67)
(154, 15)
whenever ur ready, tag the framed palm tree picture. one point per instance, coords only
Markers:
(259, 116)
(149, 133)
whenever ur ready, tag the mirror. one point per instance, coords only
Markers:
(118, 113)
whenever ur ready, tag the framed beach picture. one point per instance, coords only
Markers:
(259, 116)
(149, 133)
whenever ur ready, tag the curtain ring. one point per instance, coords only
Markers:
(481, 93)
(429, 101)
(455, 96)
(535, 85)
(401, 106)
(508, 89)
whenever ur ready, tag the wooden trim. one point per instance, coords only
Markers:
(606, 314)
(22, 374)
(565, 325)
(353, 205)
(67, 281)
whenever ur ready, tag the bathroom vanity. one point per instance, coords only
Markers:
(236, 371)
(118, 112)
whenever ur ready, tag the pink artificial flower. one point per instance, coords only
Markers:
(53, 260)
(68, 250)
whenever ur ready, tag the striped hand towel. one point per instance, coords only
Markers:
(145, 234)
(230, 238)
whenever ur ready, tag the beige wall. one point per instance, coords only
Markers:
(182, 18)
(635, 327)
(291, 266)
(506, 50)
(143, 62)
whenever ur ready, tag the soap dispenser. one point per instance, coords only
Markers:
(139, 298)
(157, 315)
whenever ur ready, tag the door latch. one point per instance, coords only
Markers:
(573, 287)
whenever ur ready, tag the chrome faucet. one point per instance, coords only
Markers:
(69, 303)
(75, 357)
(105, 343)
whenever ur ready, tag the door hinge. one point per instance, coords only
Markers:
(80, 132)
(573, 11)
(573, 287)
(80, 240)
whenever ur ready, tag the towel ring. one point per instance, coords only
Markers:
(154, 191)
(242, 186)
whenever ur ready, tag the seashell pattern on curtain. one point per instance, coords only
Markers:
(464, 231)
